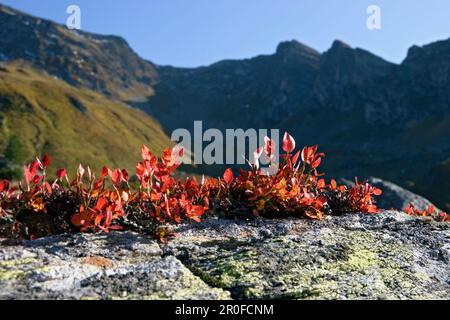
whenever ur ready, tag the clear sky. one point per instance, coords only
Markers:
(199, 32)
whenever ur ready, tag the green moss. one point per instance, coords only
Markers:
(362, 259)
(12, 263)
(350, 264)
(12, 274)
(14, 269)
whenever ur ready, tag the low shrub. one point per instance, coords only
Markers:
(430, 213)
(295, 189)
(38, 207)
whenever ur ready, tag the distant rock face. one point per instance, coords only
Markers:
(396, 197)
(385, 256)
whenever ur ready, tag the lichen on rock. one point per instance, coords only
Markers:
(385, 256)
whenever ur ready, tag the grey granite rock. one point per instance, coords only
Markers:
(397, 197)
(385, 256)
(103, 266)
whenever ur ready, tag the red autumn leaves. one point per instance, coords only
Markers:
(358, 198)
(430, 212)
(164, 198)
(100, 207)
(291, 189)
(311, 157)
(294, 187)
(228, 176)
(288, 143)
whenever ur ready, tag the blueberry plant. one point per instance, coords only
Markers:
(37, 207)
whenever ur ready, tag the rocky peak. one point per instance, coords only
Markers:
(427, 70)
(340, 45)
(295, 46)
(289, 50)
(436, 50)
(343, 63)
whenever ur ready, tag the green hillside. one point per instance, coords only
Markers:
(42, 114)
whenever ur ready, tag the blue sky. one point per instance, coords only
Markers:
(199, 32)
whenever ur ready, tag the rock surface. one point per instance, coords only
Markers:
(397, 197)
(385, 256)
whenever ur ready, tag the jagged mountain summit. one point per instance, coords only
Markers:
(372, 117)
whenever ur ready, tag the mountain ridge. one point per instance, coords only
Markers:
(80, 58)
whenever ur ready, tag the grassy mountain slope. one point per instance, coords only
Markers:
(41, 114)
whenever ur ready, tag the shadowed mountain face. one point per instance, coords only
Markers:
(297, 80)
(371, 117)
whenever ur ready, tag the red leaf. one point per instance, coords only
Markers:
(305, 155)
(37, 179)
(295, 157)
(27, 174)
(316, 163)
(98, 219)
(45, 160)
(321, 184)
(269, 146)
(77, 220)
(167, 156)
(125, 175)
(178, 152)
(49, 187)
(101, 203)
(333, 184)
(140, 170)
(228, 176)
(115, 227)
(146, 154)
(196, 212)
(377, 192)
(116, 176)
(288, 143)
(61, 173)
(105, 171)
(410, 209)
